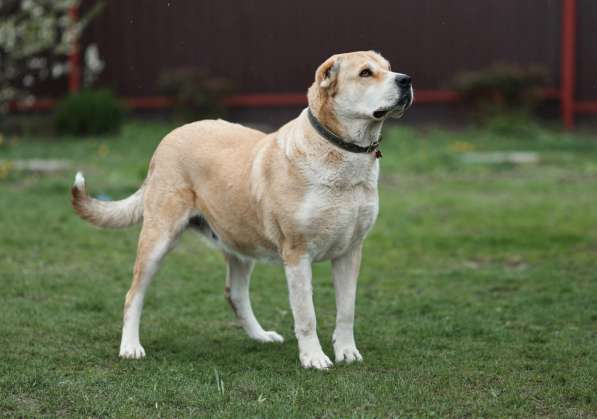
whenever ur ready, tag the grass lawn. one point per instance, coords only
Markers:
(477, 295)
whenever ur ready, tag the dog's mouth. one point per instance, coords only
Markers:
(381, 113)
(398, 108)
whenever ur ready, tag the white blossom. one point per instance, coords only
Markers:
(92, 59)
(58, 69)
(37, 11)
(28, 80)
(93, 64)
(37, 63)
(27, 5)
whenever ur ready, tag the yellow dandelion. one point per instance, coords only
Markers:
(5, 168)
(461, 147)
(103, 150)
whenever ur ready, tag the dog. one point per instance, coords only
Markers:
(305, 193)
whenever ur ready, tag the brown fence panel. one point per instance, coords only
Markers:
(586, 50)
(269, 46)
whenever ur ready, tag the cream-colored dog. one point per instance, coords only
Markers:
(305, 193)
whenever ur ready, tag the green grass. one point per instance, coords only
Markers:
(477, 296)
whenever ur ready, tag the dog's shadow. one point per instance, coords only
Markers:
(228, 347)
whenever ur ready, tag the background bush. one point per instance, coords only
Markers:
(197, 94)
(502, 90)
(89, 112)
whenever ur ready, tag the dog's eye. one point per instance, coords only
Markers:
(365, 73)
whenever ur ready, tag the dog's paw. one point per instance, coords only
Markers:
(315, 359)
(267, 337)
(348, 354)
(132, 351)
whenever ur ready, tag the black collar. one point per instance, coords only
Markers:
(339, 142)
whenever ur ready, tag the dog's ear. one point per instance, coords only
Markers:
(327, 73)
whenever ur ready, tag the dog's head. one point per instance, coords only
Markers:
(360, 85)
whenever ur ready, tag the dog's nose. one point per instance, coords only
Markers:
(403, 81)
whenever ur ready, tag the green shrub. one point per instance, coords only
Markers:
(501, 89)
(89, 112)
(197, 94)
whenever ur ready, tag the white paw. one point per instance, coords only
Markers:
(266, 337)
(132, 351)
(315, 359)
(348, 354)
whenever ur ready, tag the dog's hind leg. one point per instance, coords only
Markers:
(159, 234)
(238, 276)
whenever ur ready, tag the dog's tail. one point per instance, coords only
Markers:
(108, 214)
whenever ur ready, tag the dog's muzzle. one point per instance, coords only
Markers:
(405, 99)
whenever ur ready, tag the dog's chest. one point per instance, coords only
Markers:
(335, 219)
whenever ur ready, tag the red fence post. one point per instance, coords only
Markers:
(568, 62)
(74, 57)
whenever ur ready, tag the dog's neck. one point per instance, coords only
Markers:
(360, 131)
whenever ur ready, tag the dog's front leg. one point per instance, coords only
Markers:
(345, 271)
(298, 276)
